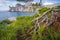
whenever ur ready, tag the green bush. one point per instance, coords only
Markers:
(41, 11)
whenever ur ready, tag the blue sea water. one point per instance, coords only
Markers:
(6, 14)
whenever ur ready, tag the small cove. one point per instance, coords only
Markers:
(6, 14)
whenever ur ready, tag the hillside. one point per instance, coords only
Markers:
(27, 28)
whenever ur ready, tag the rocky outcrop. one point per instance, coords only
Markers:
(28, 8)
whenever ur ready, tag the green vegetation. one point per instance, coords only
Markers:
(37, 4)
(18, 29)
(41, 11)
(8, 32)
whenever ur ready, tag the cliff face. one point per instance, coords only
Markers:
(28, 8)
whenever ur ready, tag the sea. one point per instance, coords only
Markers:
(6, 14)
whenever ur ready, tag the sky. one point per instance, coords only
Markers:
(4, 4)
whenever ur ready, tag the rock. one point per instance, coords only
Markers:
(56, 25)
(12, 18)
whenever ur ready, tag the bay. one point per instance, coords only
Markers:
(6, 14)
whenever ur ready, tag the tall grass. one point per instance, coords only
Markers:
(18, 29)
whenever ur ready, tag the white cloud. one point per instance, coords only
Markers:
(48, 3)
(2, 0)
(2, 8)
(34, 2)
(4, 5)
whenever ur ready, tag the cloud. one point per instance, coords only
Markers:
(4, 5)
(2, 8)
(48, 3)
(34, 2)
